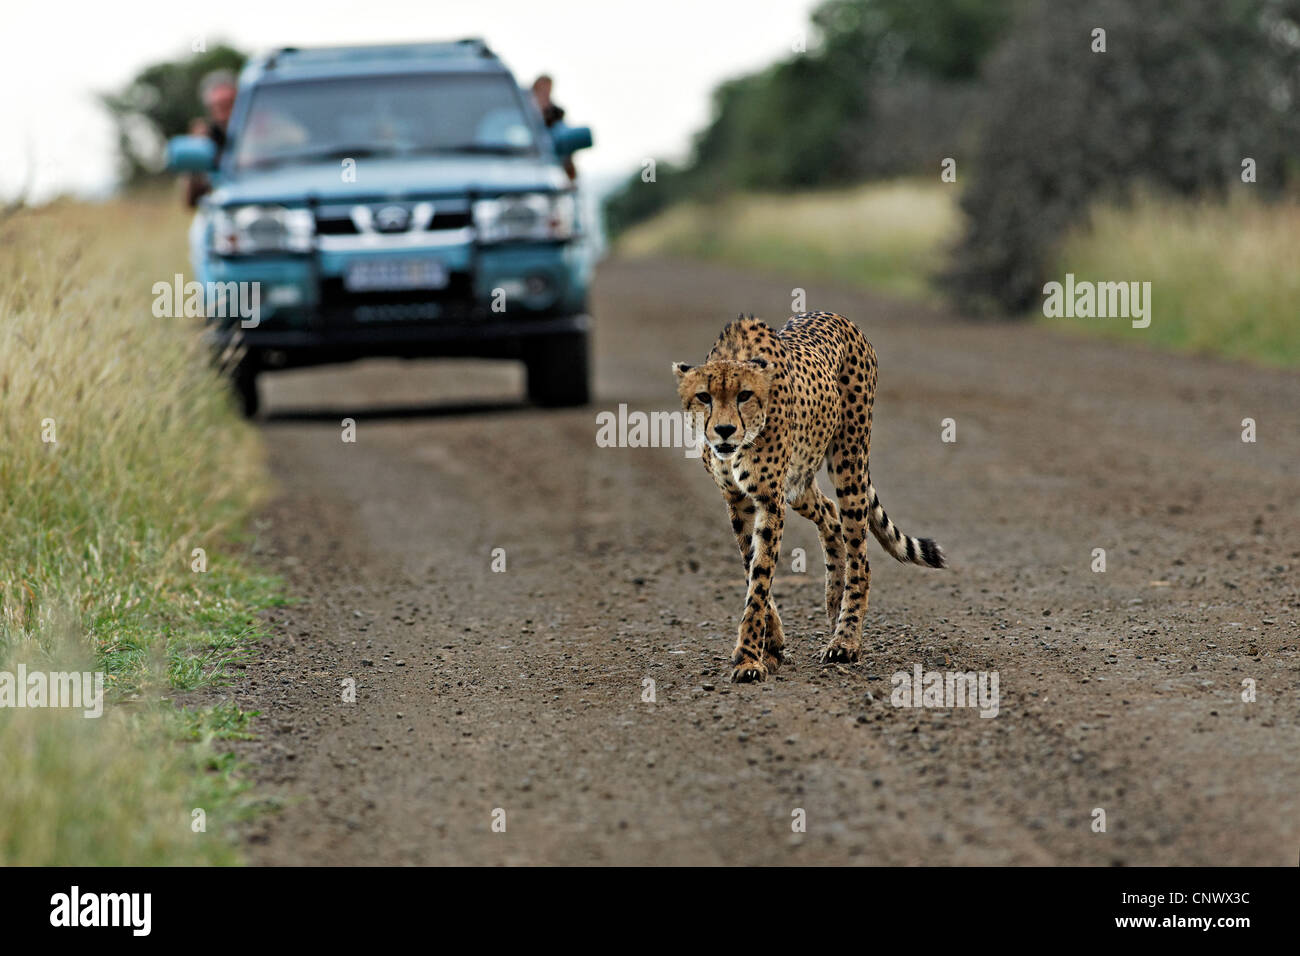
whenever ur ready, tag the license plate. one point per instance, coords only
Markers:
(384, 275)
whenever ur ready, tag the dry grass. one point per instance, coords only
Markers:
(888, 236)
(1223, 275)
(149, 461)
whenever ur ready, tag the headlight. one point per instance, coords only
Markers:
(240, 230)
(525, 216)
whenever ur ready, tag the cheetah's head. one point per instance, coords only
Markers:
(726, 400)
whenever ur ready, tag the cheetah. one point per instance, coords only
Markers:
(769, 408)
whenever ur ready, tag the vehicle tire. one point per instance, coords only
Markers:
(558, 372)
(244, 380)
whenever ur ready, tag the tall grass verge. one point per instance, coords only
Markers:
(122, 453)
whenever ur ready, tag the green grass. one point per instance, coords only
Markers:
(221, 722)
(150, 460)
(1222, 274)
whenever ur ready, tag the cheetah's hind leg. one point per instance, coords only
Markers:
(820, 510)
(849, 473)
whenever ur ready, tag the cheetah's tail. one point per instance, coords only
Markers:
(922, 551)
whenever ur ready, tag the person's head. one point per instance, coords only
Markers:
(542, 89)
(217, 90)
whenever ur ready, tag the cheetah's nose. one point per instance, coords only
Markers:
(724, 431)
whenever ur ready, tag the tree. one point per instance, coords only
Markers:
(883, 89)
(1183, 92)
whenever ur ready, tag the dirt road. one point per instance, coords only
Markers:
(522, 691)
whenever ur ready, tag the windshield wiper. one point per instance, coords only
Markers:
(308, 155)
(490, 149)
(349, 152)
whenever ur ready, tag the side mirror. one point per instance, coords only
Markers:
(570, 139)
(191, 154)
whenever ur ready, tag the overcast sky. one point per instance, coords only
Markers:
(638, 74)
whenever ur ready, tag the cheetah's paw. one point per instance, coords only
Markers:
(837, 652)
(749, 671)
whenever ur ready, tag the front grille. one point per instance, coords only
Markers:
(335, 227)
(337, 220)
(451, 220)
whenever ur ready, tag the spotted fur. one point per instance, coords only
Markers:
(771, 408)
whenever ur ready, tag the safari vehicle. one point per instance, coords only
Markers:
(402, 200)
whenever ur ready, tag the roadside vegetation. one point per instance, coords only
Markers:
(885, 236)
(122, 454)
(1222, 275)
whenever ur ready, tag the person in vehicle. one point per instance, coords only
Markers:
(552, 113)
(217, 91)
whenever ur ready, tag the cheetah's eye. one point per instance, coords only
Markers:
(704, 397)
(744, 396)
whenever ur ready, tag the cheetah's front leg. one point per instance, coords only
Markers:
(760, 625)
(742, 511)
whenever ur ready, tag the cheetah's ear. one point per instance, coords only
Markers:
(680, 369)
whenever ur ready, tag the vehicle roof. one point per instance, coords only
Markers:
(470, 55)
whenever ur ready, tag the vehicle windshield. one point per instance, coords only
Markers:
(381, 116)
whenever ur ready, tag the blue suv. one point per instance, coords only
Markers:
(402, 200)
